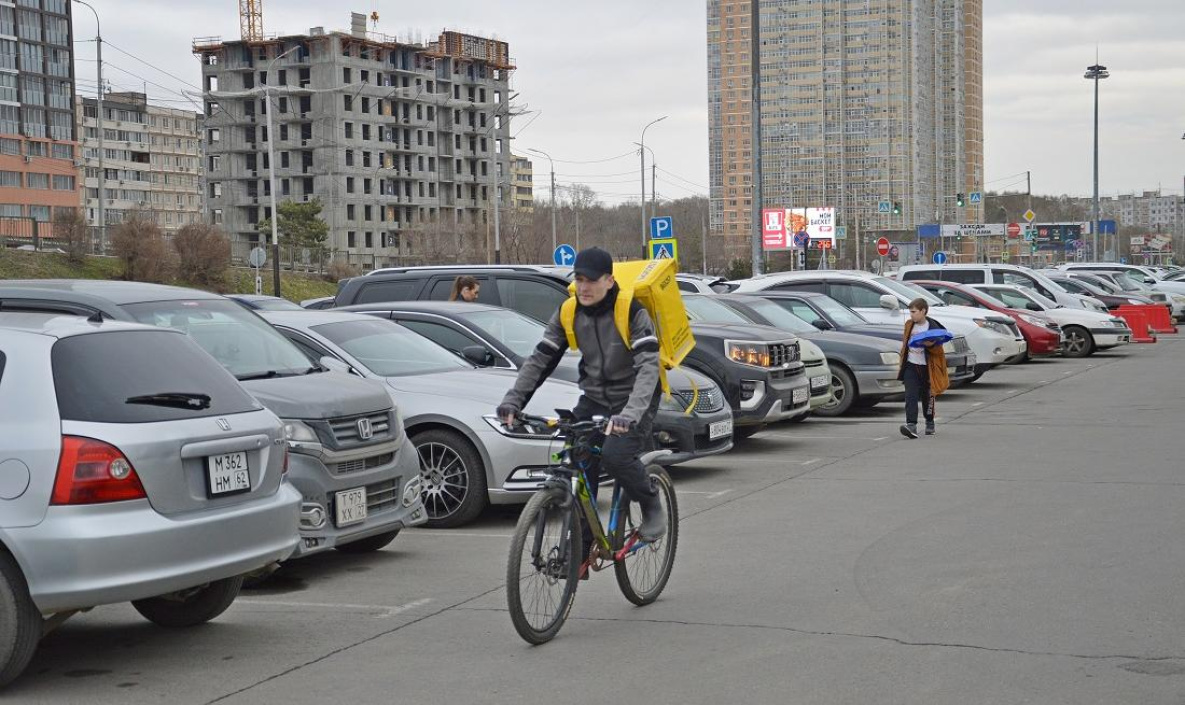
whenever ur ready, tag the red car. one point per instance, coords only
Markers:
(1044, 337)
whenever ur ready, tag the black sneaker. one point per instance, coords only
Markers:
(909, 430)
(929, 428)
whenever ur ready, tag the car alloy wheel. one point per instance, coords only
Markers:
(1078, 342)
(446, 481)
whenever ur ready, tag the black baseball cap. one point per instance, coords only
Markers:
(593, 263)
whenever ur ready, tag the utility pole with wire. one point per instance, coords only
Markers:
(99, 122)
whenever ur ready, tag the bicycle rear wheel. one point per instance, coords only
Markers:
(643, 574)
(544, 566)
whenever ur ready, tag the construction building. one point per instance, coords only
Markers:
(522, 176)
(404, 142)
(862, 104)
(38, 145)
(152, 161)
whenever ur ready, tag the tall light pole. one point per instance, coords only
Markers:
(1096, 73)
(271, 171)
(554, 243)
(99, 103)
(642, 156)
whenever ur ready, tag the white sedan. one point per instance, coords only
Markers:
(1084, 331)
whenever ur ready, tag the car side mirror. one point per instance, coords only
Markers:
(478, 355)
(335, 365)
(890, 302)
(1149, 280)
(821, 324)
(1033, 307)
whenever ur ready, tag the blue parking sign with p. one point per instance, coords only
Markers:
(564, 256)
(662, 227)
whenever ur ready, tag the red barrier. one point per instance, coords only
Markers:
(1160, 318)
(1137, 320)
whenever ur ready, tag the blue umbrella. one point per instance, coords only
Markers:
(938, 337)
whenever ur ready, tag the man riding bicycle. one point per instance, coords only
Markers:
(618, 380)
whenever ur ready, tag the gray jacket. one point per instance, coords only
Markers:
(619, 377)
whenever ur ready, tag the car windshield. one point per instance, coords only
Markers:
(837, 312)
(1089, 287)
(1036, 296)
(514, 330)
(1014, 298)
(779, 317)
(909, 291)
(990, 298)
(388, 349)
(240, 340)
(708, 310)
(273, 304)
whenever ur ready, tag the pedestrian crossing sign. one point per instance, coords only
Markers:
(664, 249)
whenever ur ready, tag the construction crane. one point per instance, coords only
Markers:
(251, 20)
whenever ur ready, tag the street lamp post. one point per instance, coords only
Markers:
(1096, 73)
(271, 171)
(642, 156)
(554, 242)
(99, 119)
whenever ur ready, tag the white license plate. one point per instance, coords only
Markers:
(820, 382)
(719, 429)
(800, 396)
(349, 506)
(227, 474)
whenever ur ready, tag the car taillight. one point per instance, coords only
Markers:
(92, 472)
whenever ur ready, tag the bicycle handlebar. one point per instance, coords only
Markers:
(596, 423)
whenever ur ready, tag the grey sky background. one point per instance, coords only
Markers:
(595, 73)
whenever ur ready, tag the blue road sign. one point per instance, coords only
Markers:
(975, 197)
(841, 232)
(664, 249)
(662, 228)
(1106, 227)
(940, 257)
(884, 207)
(801, 239)
(564, 255)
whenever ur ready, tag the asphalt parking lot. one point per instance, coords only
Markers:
(1030, 552)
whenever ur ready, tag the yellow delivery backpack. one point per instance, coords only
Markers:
(652, 284)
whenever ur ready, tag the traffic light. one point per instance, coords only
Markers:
(896, 207)
(960, 200)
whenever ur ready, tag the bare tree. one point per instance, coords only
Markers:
(73, 233)
(138, 241)
(203, 254)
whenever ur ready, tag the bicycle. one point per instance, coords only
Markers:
(546, 559)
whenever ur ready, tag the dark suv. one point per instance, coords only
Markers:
(530, 290)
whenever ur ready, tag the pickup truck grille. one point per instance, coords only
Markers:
(782, 353)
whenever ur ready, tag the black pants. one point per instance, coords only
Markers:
(620, 454)
(917, 389)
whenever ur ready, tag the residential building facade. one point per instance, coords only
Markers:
(522, 179)
(861, 103)
(38, 144)
(1149, 210)
(403, 143)
(151, 161)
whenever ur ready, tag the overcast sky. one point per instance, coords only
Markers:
(594, 73)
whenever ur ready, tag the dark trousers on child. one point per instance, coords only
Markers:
(917, 390)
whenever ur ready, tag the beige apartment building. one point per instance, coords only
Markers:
(863, 103)
(522, 182)
(151, 161)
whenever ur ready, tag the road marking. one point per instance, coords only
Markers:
(438, 532)
(386, 611)
(882, 438)
(812, 461)
(707, 495)
(978, 403)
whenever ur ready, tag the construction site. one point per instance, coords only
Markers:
(404, 142)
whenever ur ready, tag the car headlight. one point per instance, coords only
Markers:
(892, 358)
(299, 432)
(521, 431)
(993, 326)
(1032, 320)
(752, 354)
(1119, 323)
(673, 402)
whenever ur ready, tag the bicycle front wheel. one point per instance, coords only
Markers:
(544, 566)
(642, 574)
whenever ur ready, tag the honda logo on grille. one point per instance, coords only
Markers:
(224, 424)
(365, 432)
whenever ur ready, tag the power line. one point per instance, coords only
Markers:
(155, 68)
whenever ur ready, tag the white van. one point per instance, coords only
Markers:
(1000, 274)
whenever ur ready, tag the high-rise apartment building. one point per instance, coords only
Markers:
(38, 171)
(151, 158)
(861, 102)
(402, 142)
(522, 176)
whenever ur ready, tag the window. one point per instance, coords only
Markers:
(535, 299)
(8, 87)
(97, 374)
(854, 294)
(398, 290)
(10, 179)
(10, 121)
(37, 181)
(39, 213)
(63, 183)
(448, 338)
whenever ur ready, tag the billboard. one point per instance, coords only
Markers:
(780, 225)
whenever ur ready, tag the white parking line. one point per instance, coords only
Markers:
(385, 611)
(470, 534)
(707, 495)
(812, 461)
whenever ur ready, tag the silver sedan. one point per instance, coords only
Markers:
(467, 459)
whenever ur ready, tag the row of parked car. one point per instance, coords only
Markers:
(162, 445)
